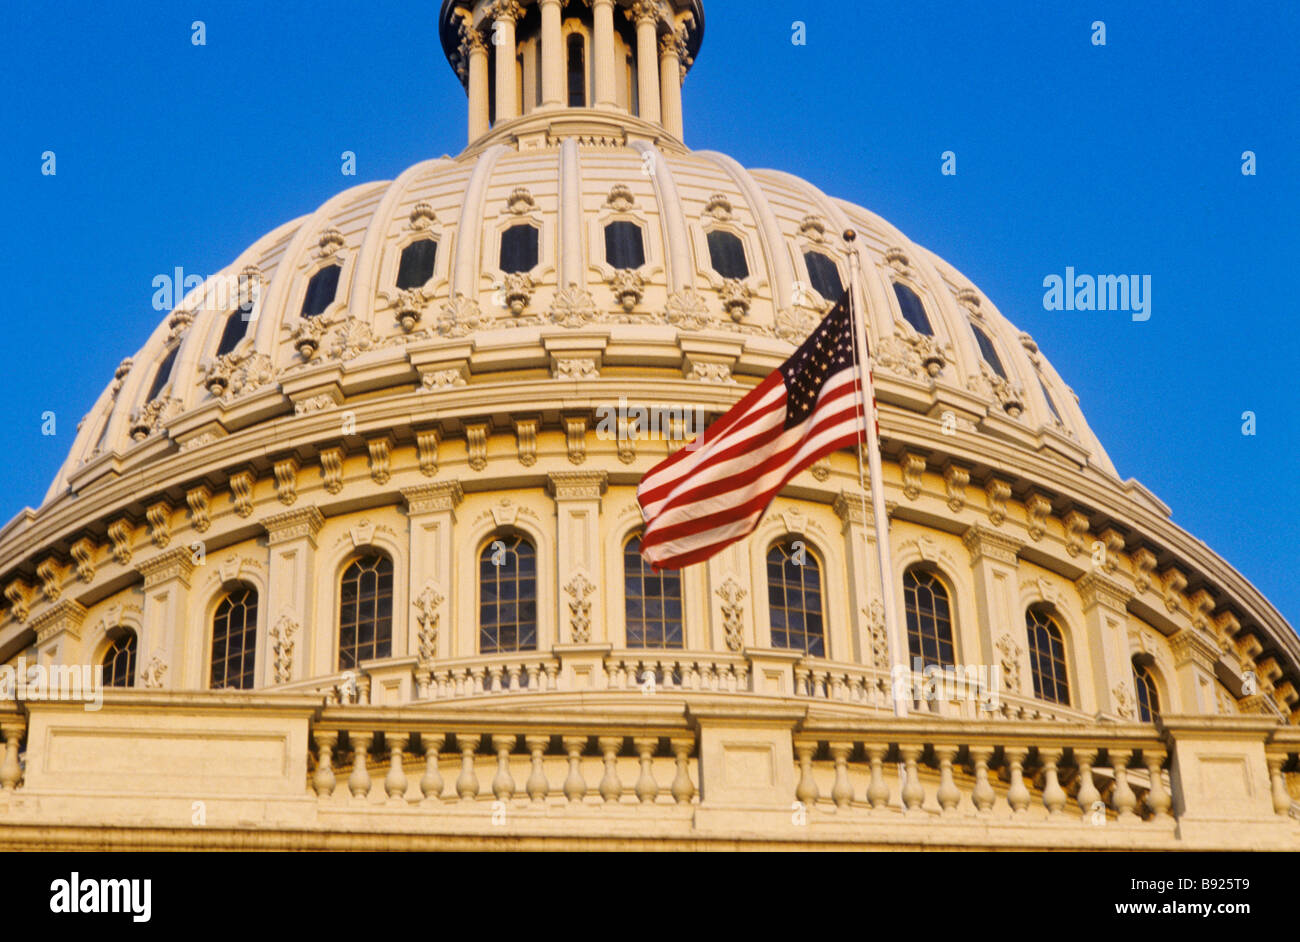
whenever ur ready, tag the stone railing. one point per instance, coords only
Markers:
(473, 677)
(677, 670)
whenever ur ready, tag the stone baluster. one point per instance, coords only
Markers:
(878, 789)
(431, 783)
(806, 791)
(1087, 795)
(1123, 797)
(503, 783)
(537, 785)
(1054, 797)
(801, 681)
(513, 675)
(913, 791)
(10, 771)
(534, 678)
(494, 679)
(647, 790)
(982, 795)
(611, 789)
(323, 781)
(575, 786)
(948, 795)
(359, 780)
(1017, 793)
(683, 787)
(1159, 801)
(552, 676)
(842, 791)
(476, 686)
(395, 781)
(467, 782)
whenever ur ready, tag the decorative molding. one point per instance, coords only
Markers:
(573, 306)
(733, 612)
(575, 369)
(281, 638)
(176, 563)
(577, 485)
(820, 469)
(50, 574)
(621, 198)
(704, 372)
(983, 543)
(83, 554)
(241, 491)
(305, 522)
(1124, 700)
(913, 468)
(461, 316)
(1201, 604)
(1011, 654)
(63, 617)
(1076, 532)
(433, 498)
(151, 675)
(526, 441)
(317, 403)
(579, 589)
(159, 516)
(199, 501)
(19, 604)
(426, 614)
(1144, 564)
(853, 509)
(1113, 540)
(1098, 589)
(1174, 581)
(232, 567)
(452, 377)
(286, 481)
(878, 634)
(119, 532)
(331, 466)
(628, 286)
(736, 298)
(380, 450)
(1191, 646)
(476, 436)
(1038, 508)
(575, 431)
(955, 479)
(1042, 589)
(687, 310)
(426, 443)
(998, 493)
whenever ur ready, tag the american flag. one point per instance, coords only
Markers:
(716, 490)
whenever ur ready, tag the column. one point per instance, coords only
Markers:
(290, 602)
(868, 644)
(994, 564)
(670, 84)
(1105, 612)
(552, 55)
(646, 14)
(603, 54)
(505, 13)
(58, 633)
(431, 510)
(169, 650)
(1195, 655)
(474, 48)
(579, 600)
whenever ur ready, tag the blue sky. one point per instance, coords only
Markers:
(1124, 158)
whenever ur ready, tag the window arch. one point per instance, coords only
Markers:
(234, 640)
(1148, 697)
(727, 254)
(577, 71)
(913, 310)
(794, 598)
(988, 351)
(366, 609)
(929, 618)
(119, 660)
(824, 275)
(164, 373)
(1047, 657)
(624, 245)
(416, 265)
(519, 248)
(321, 290)
(652, 602)
(507, 604)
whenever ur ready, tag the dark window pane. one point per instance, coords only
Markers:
(164, 373)
(727, 255)
(577, 73)
(365, 610)
(794, 598)
(624, 247)
(987, 351)
(507, 589)
(1050, 403)
(825, 276)
(1047, 658)
(652, 603)
(119, 661)
(416, 266)
(519, 249)
(929, 627)
(236, 327)
(913, 310)
(322, 288)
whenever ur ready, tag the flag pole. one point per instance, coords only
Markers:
(871, 435)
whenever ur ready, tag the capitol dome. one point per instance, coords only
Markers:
(366, 499)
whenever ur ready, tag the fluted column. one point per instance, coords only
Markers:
(603, 54)
(504, 15)
(646, 14)
(552, 55)
(474, 48)
(670, 85)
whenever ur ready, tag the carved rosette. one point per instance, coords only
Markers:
(795, 324)
(573, 307)
(687, 310)
(460, 316)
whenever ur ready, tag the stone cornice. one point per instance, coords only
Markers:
(66, 615)
(851, 509)
(577, 485)
(293, 525)
(175, 563)
(983, 543)
(1097, 589)
(1193, 646)
(433, 498)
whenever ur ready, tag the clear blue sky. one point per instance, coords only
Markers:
(1125, 158)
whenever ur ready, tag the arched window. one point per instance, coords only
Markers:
(366, 610)
(727, 254)
(416, 265)
(577, 72)
(624, 247)
(1148, 697)
(236, 327)
(913, 310)
(794, 598)
(929, 619)
(987, 350)
(507, 604)
(1050, 403)
(164, 373)
(1047, 657)
(824, 275)
(119, 661)
(652, 602)
(322, 288)
(519, 248)
(234, 640)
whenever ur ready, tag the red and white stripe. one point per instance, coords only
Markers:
(715, 491)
